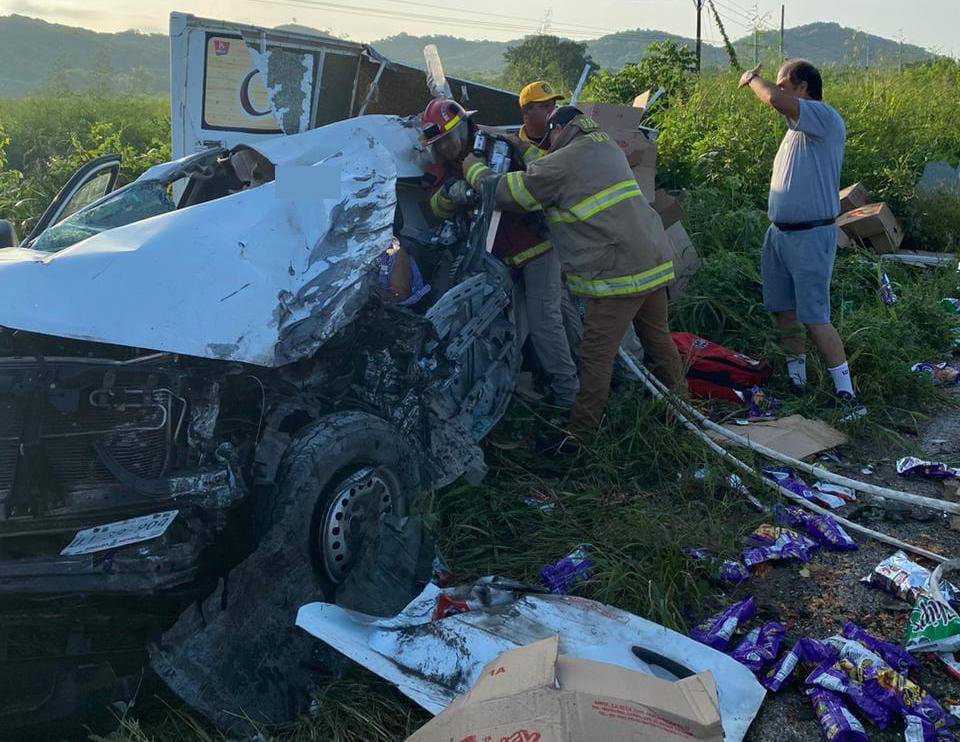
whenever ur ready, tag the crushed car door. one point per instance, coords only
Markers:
(231, 83)
(92, 181)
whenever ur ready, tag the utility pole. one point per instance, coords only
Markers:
(699, 4)
(782, 13)
(756, 45)
(900, 52)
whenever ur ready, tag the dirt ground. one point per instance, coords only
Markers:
(819, 604)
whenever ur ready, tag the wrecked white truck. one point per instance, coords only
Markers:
(203, 397)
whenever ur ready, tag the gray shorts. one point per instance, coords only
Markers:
(796, 268)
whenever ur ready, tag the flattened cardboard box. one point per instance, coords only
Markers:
(668, 207)
(853, 197)
(686, 262)
(531, 694)
(611, 117)
(875, 223)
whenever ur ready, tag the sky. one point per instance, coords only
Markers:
(929, 23)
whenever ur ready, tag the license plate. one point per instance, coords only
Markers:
(119, 533)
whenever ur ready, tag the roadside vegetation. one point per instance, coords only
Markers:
(634, 497)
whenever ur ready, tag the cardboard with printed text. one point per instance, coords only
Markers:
(533, 694)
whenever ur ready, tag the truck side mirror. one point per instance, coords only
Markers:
(8, 234)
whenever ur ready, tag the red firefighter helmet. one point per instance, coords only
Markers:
(440, 117)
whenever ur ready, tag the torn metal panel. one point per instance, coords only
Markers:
(288, 76)
(249, 277)
(432, 662)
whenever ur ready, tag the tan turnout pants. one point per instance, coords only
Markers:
(604, 323)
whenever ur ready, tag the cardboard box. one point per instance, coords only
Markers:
(642, 100)
(794, 435)
(686, 262)
(531, 693)
(843, 239)
(668, 207)
(874, 223)
(647, 180)
(612, 117)
(853, 197)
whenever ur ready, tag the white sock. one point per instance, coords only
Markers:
(841, 378)
(797, 368)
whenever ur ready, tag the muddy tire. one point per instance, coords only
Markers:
(238, 655)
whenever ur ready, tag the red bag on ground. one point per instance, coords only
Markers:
(715, 372)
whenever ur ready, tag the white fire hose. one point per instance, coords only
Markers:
(684, 412)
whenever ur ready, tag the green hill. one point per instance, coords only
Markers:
(34, 53)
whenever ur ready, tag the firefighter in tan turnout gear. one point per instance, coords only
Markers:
(612, 248)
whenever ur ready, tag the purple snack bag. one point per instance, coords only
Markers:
(722, 570)
(930, 469)
(899, 693)
(824, 529)
(805, 650)
(787, 478)
(777, 542)
(836, 722)
(831, 676)
(762, 404)
(760, 646)
(558, 578)
(896, 656)
(717, 630)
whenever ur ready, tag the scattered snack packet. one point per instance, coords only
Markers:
(902, 695)
(736, 484)
(787, 478)
(821, 528)
(717, 630)
(836, 722)
(721, 570)
(943, 373)
(917, 729)
(775, 543)
(909, 465)
(804, 651)
(760, 646)
(829, 494)
(560, 577)
(886, 291)
(901, 576)
(934, 626)
(895, 656)
(761, 404)
(861, 663)
(832, 677)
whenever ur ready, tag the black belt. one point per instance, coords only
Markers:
(799, 226)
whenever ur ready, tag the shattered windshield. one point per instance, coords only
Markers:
(139, 200)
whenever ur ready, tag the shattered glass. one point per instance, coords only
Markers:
(139, 200)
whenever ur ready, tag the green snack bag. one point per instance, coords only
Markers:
(934, 625)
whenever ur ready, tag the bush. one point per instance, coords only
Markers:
(49, 136)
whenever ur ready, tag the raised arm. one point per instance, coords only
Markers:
(767, 92)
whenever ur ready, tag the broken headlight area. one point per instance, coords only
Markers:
(97, 437)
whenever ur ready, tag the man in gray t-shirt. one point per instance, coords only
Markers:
(801, 243)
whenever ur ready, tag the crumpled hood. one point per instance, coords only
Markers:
(262, 276)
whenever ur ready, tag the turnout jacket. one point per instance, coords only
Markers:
(609, 240)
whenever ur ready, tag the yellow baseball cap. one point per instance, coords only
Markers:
(538, 91)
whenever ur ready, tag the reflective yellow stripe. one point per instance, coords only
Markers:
(637, 283)
(441, 206)
(531, 252)
(520, 193)
(532, 154)
(451, 123)
(560, 215)
(593, 205)
(474, 172)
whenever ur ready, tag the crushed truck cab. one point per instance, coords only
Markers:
(202, 383)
